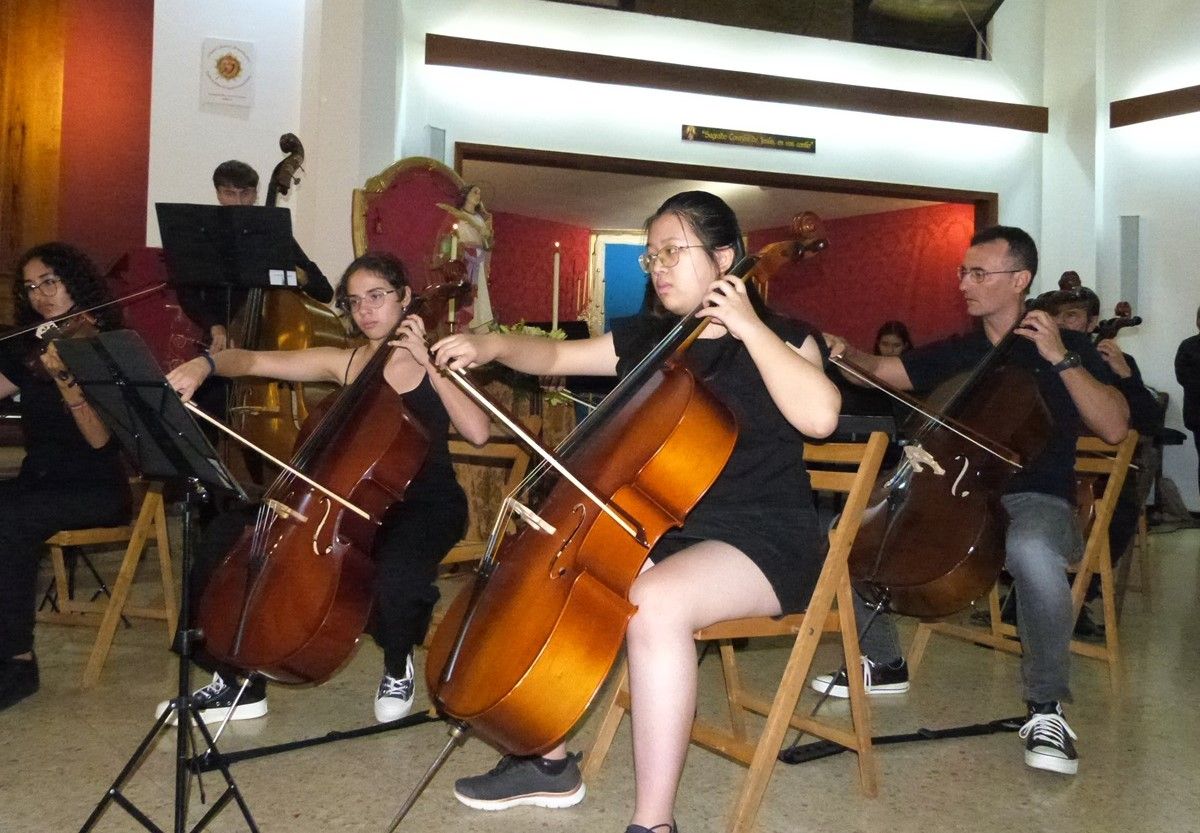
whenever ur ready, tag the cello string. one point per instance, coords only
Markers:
(935, 419)
(294, 472)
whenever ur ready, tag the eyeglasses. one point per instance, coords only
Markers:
(668, 256)
(48, 288)
(372, 300)
(976, 274)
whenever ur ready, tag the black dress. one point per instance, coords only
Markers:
(761, 503)
(64, 483)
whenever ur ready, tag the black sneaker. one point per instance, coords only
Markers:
(516, 781)
(1048, 739)
(18, 680)
(394, 698)
(215, 701)
(877, 679)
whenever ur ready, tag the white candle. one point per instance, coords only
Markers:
(554, 297)
(454, 242)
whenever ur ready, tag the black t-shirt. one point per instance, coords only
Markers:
(54, 446)
(766, 467)
(1053, 471)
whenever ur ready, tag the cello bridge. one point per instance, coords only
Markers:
(284, 511)
(532, 518)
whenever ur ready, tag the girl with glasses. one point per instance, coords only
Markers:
(417, 532)
(750, 547)
(71, 477)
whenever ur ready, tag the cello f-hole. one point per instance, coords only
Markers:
(557, 571)
(954, 488)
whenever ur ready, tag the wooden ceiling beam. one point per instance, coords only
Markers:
(1154, 106)
(443, 50)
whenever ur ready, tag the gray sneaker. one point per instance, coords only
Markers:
(516, 781)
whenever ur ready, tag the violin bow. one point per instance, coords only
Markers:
(66, 316)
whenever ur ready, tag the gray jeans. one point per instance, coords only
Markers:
(1042, 540)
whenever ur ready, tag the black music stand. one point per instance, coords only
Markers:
(228, 245)
(128, 391)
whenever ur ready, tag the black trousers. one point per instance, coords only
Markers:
(31, 510)
(414, 537)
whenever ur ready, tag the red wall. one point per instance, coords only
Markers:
(894, 265)
(522, 269)
(106, 126)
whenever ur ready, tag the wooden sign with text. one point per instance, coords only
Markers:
(748, 138)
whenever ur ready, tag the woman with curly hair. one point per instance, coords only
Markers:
(72, 477)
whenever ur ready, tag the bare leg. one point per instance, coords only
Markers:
(703, 584)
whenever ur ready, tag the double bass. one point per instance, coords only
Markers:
(522, 652)
(267, 412)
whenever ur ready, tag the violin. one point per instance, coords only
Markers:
(522, 652)
(81, 324)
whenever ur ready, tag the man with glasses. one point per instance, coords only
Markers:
(236, 183)
(1042, 537)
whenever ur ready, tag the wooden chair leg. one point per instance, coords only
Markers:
(916, 650)
(618, 704)
(120, 594)
(162, 542)
(733, 690)
(860, 706)
(61, 585)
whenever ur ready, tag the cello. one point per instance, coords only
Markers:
(523, 651)
(932, 535)
(293, 594)
(269, 413)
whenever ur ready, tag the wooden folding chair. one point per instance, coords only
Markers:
(499, 451)
(734, 742)
(1094, 458)
(107, 612)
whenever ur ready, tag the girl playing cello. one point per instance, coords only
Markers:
(749, 548)
(418, 530)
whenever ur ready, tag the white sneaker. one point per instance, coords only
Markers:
(395, 696)
(216, 699)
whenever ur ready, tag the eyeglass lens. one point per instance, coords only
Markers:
(47, 288)
(668, 256)
(372, 300)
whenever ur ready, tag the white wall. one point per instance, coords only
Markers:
(553, 114)
(188, 139)
(1151, 170)
(326, 72)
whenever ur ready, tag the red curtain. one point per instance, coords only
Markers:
(878, 267)
(521, 277)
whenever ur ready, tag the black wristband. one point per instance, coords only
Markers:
(212, 365)
(1068, 361)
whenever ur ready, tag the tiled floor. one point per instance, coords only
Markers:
(1139, 746)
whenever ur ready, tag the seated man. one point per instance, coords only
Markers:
(1042, 537)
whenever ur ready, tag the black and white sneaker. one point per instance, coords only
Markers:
(394, 698)
(516, 781)
(216, 700)
(877, 679)
(1048, 739)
